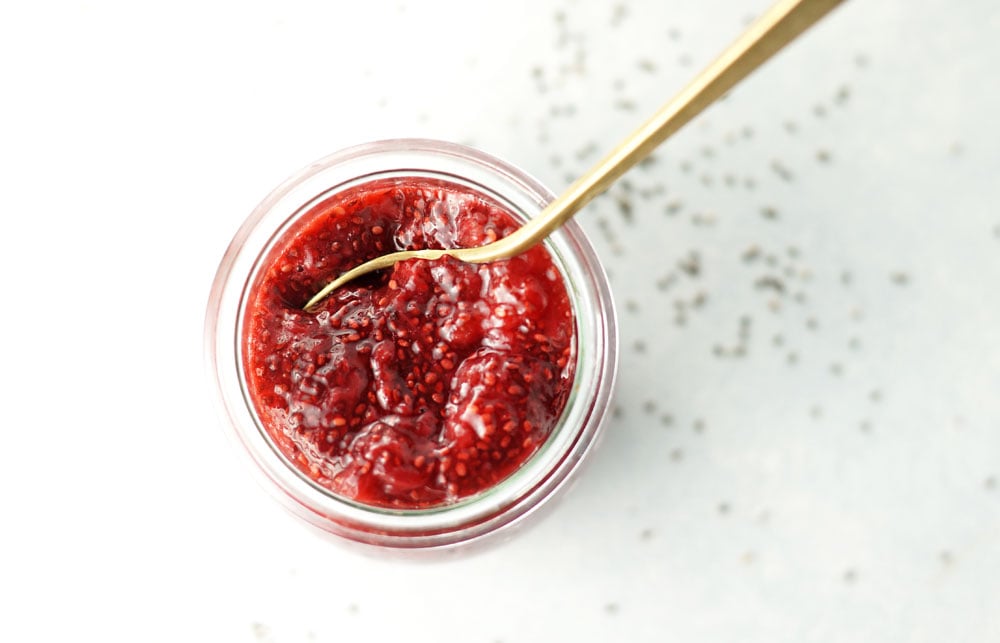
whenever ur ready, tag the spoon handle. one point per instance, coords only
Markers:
(777, 27)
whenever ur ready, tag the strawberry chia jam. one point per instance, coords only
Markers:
(417, 386)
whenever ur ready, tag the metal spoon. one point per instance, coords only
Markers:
(777, 27)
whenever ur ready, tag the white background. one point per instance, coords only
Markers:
(806, 441)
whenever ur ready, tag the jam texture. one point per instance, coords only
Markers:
(416, 386)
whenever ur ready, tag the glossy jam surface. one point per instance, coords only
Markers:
(418, 386)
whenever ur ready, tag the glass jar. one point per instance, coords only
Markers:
(493, 510)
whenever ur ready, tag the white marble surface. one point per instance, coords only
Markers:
(807, 438)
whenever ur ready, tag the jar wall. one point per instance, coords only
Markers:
(496, 509)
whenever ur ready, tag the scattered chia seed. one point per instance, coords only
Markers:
(649, 162)
(900, 278)
(625, 104)
(646, 65)
(619, 13)
(770, 283)
(783, 172)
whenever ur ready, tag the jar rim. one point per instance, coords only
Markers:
(595, 338)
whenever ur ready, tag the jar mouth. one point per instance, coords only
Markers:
(595, 346)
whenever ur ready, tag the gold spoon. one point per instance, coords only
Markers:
(781, 24)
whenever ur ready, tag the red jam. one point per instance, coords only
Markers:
(413, 387)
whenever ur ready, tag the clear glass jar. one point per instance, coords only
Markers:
(490, 511)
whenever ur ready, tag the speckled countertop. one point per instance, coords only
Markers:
(806, 439)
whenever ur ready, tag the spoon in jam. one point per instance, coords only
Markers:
(777, 27)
